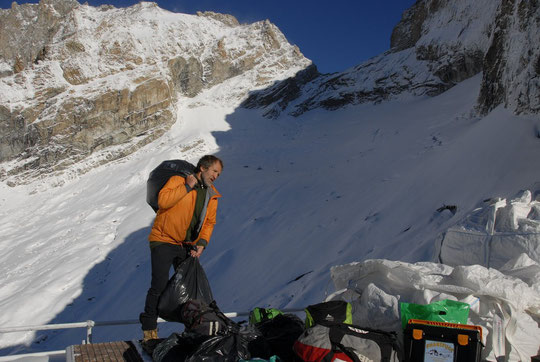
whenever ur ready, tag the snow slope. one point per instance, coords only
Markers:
(300, 195)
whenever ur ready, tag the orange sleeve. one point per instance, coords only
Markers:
(173, 191)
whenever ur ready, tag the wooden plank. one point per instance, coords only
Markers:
(101, 352)
(107, 352)
(89, 355)
(84, 356)
(118, 348)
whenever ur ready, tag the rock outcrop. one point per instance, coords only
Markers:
(281, 94)
(26, 31)
(512, 63)
(77, 80)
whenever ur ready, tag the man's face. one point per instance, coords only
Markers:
(210, 174)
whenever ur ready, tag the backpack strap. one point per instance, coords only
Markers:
(336, 334)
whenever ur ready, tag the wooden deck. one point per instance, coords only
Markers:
(104, 352)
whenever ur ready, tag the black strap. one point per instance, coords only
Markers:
(336, 335)
(328, 357)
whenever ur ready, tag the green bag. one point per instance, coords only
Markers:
(448, 311)
(258, 315)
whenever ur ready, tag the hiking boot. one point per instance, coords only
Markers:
(150, 341)
(149, 335)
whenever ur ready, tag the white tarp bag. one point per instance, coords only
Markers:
(494, 234)
(505, 303)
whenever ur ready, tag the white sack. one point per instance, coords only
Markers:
(507, 307)
(494, 234)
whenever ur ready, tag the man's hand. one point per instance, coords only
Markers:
(197, 253)
(191, 180)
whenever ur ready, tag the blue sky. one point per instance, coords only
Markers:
(335, 34)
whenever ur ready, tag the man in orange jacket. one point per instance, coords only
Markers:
(182, 228)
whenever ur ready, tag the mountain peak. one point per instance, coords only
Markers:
(224, 18)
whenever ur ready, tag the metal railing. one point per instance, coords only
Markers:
(33, 356)
(90, 324)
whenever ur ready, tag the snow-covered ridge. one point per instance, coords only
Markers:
(434, 47)
(109, 75)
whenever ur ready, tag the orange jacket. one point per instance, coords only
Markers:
(176, 207)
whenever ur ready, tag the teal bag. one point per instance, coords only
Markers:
(447, 311)
(272, 359)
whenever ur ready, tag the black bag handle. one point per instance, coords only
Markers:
(336, 335)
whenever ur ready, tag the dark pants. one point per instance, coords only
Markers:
(163, 256)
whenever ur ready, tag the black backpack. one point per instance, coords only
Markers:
(206, 319)
(280, 333)
(161, 174)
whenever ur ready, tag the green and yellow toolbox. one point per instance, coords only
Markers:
(430, 341)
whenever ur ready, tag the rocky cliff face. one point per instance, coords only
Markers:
(512, 63)
(437, 44)
(459, 39)
(79, 81)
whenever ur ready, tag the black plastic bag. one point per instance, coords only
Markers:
(258, 346)
(188, 282)
(177, 348)
(223, 348)
(280, 333)
(244, 343)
